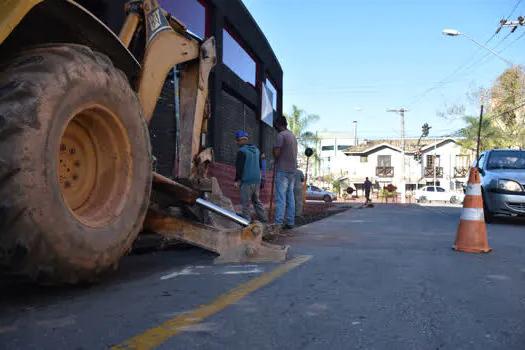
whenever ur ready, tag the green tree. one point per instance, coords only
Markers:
(491, 135)
(507, 93)
(298, 123)
(503, 124)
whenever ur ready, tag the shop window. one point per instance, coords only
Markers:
(237, 59)
(190, 12)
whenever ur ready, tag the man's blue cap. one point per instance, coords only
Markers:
(241, 134)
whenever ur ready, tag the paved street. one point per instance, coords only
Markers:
(379, 278)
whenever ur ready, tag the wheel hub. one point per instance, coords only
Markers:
(77, 165)
(94, 166)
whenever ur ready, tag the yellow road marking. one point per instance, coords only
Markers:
(158, 335)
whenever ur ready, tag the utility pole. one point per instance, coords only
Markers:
(435, 162)
(480, 124)
(402, 184)
(513, 24)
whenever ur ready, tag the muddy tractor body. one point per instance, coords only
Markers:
(77, 183)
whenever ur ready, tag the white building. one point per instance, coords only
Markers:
(331, 146)
(442, 161)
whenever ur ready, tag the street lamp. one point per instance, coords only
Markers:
(453, 32)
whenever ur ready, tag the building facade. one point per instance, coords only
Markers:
(441, 161)
(331, 147)
(245, 85)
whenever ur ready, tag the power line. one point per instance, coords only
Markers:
(444, 81)
(469, 69)
(506, 112)
(472, 67)
(514, 9)
(512, 42)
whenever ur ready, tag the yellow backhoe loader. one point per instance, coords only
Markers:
(76, 178)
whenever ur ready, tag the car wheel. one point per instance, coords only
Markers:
(327, 198)
(453, 199)
(422, 199)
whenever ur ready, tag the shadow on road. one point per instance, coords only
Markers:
(132, 268)
(507, 220)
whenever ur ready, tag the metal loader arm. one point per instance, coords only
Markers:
(168, 44)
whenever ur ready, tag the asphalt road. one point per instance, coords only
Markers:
(379, 278)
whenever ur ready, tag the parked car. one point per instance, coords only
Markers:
(502, 175)
(315, 193)
(436, 193)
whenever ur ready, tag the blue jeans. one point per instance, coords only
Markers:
(284, 195)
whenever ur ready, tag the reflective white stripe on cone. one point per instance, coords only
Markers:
(473, 190)
(472, 214)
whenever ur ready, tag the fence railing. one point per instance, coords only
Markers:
(385, 171)
(429, 172)
(460, 171)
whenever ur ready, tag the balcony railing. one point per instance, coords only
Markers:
(460, 171)
(429, 172)
(385, 171)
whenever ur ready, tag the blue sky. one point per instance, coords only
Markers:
(377, 55)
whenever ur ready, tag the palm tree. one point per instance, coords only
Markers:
(491, 136)
(298, 123)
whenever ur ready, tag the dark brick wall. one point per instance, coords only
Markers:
(234, 115)
(162, 129)
(268, 142)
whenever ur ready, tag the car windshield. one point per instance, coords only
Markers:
(506, 160)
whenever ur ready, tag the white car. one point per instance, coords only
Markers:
(315, 193)
(436, 193)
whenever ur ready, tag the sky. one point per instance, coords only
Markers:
(347, 60)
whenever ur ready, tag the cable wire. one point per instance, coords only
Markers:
(470, 66)
(512, 42)
(514, 9)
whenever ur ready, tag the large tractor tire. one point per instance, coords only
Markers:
(75, 164)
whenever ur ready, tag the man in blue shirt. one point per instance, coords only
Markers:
(248, 176)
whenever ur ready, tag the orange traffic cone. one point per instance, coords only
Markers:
(472, 231)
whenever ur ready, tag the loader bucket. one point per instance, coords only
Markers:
(243, 245)
(226, 238)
